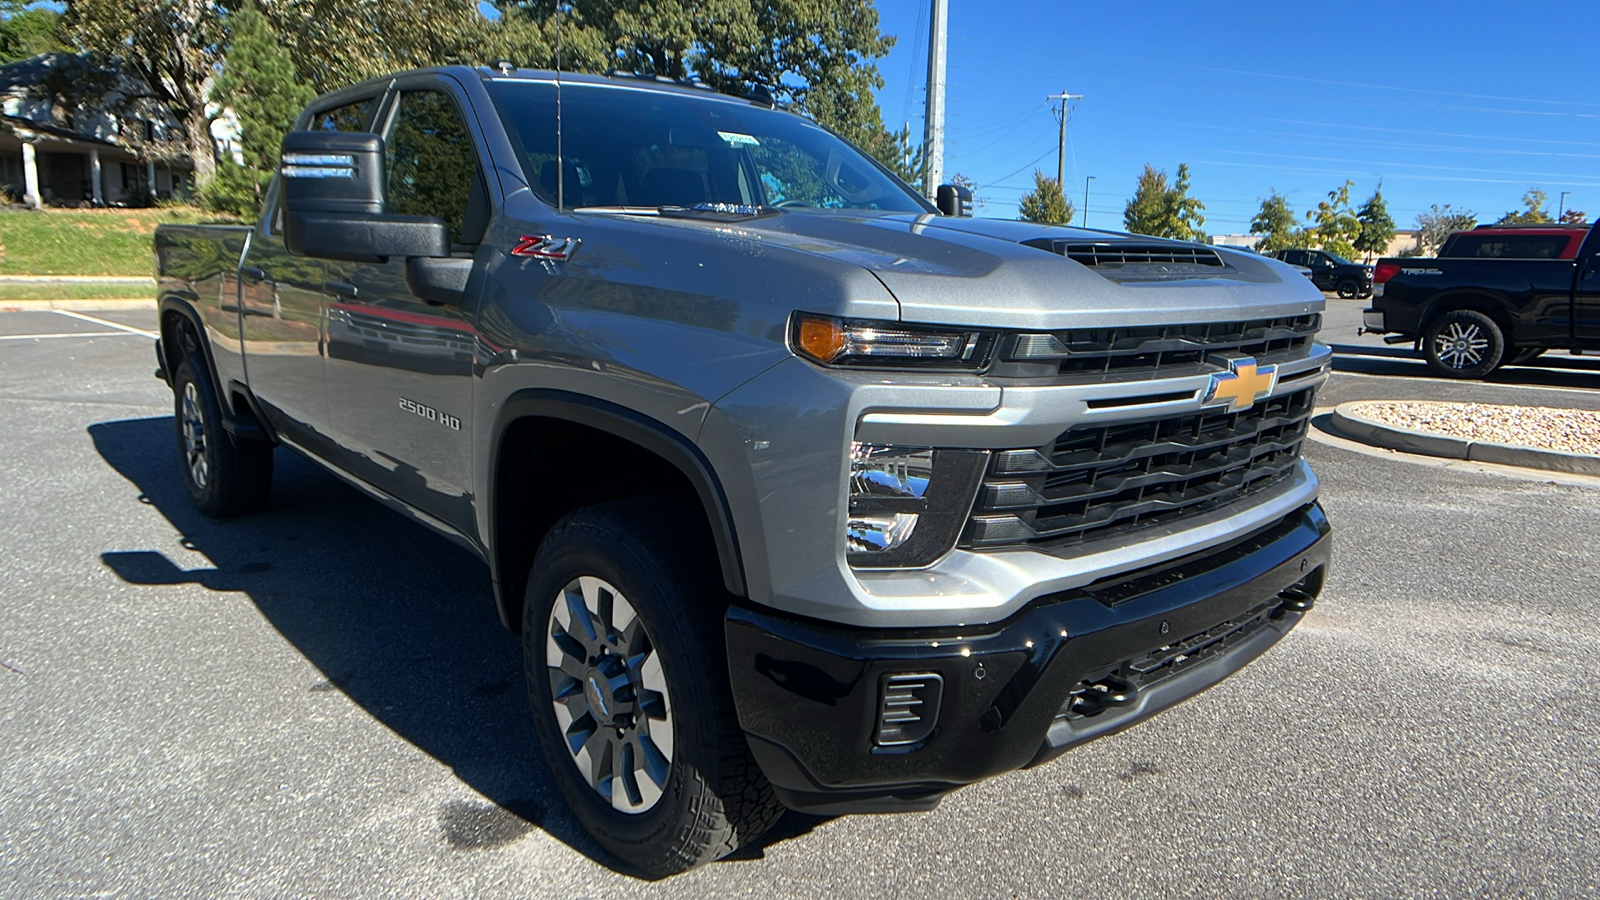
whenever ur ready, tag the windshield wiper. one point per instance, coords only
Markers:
(714, 209)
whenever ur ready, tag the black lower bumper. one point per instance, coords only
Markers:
(1069, 668)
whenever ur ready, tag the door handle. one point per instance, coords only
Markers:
(341, 289)
(253, 274)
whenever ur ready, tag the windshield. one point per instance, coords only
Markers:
(625, 146)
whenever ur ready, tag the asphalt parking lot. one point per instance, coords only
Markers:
(319, 701)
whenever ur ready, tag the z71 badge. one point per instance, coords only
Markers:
(431, 414)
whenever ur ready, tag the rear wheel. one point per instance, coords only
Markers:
(225, 476)
(623, 647)
(1463, 343)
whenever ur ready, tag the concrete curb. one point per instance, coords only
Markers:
(1348, 421)
(75, 305)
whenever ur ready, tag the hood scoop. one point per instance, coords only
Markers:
(1131, 260)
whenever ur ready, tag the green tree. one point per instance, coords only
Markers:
(1275, 221)
(259, 85)
(1045, 203)
(1335, 226)
(175, 46)
(336, 42)
(817, 56)
(1533, 212)
(1439, 222)
(1377, 226)
(1160, 210)
(27, 31)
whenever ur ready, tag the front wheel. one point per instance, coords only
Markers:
(225, 476)
(1348, 289)
(623, 647)
(1463, 343)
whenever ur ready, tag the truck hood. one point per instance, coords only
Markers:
(1007, 274)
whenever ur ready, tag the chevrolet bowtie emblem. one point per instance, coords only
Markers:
(1244, 382)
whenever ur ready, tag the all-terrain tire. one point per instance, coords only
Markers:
(712, 797)
(225, 476)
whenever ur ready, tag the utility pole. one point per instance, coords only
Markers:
(1061, 147)
(933, 118)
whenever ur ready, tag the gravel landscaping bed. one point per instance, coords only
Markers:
(1566, 430)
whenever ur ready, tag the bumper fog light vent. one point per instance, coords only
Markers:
(908, 709)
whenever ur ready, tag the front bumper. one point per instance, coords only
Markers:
(1068, 668)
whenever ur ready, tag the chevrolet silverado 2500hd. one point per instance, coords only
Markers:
(800, 490)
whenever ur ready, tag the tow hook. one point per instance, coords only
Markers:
(1108, 692)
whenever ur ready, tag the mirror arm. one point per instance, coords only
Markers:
(441, 280)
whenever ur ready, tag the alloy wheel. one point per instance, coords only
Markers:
(1460, 345)
(194, 437)
(609, 694)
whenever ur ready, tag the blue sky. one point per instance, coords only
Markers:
(1469, 103)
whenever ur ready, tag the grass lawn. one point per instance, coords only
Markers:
(76, 292)
(85, 241)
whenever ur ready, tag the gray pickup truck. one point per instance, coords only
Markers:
(801, 491)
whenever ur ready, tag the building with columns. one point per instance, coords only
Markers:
(77, 132)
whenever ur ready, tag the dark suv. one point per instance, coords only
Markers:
(1332, 272)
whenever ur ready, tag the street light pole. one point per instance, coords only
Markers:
(1086, 181)
(1561, 205)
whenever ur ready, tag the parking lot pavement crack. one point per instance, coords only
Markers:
(10, 668)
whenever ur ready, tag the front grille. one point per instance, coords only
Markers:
(1104, 480)
(1162, 351)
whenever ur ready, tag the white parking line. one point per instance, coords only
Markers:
(108, 324)
(72, 334)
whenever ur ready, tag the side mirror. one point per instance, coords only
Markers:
(333, 202)
(954, 200)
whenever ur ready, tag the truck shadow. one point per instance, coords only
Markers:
(1550, 370)
(399, 620)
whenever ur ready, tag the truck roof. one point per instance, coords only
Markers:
(508, 72)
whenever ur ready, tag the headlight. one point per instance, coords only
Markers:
(908, 504)
(851, 342)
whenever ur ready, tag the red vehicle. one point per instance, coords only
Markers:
(1516, 242)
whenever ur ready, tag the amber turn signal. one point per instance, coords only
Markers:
(821, 339)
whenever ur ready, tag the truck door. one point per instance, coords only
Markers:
(281, 332)
(283, 314)
(1586, 292)
(400, 369)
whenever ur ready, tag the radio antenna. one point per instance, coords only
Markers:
(561, 166)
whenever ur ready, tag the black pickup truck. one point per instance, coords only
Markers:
(1331, 272)
(1468, 317)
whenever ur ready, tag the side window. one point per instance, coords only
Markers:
(352, 117)
(355, 117)
(432, 166)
